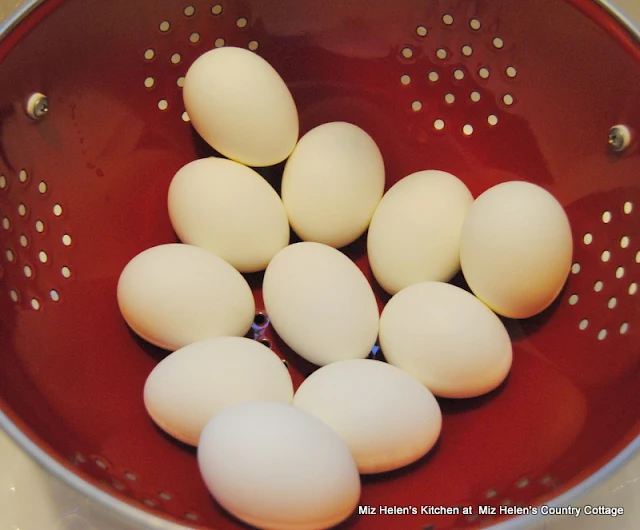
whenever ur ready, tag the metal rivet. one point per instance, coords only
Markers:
(37, 106)
(619, 138)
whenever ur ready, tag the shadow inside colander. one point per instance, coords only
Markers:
(151, 350)
(458, 406)
(176, 443)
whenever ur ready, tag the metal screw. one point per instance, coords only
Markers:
(37, 106)
(619, 138)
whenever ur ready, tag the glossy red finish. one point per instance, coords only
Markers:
(72, 373)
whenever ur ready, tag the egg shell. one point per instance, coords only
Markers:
(174, 295)
(229, 210)
(414, 234)
(241, 106)
(190, 386)
(447, 339)
(320, 303)
(516, 249)
(332, 184)
(387, 418)
(277, 467)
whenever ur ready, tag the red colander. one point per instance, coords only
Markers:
(93, 128)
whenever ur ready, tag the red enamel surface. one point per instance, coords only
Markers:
(72, 373)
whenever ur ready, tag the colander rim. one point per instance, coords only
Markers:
(132, 515)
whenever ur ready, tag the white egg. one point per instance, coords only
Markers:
(277, 467)
(174, 295)
(320, 303)
(415, 231)
(190, 386)
(386, 417)
(241, 106)
(229, 210)
(332, 183)
(516, 249)
(447, 339)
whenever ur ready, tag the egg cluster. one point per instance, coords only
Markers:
(272, 457)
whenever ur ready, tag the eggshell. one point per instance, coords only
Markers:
(320, 303)
(415, 231)
(241, 106)
(386, 417)
(277, 467)
(516, 249)
(229, 210)
(190, 386)
(174, 295)
(447, 339)
(332, 183)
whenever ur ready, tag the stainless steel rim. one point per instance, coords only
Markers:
(133, 515)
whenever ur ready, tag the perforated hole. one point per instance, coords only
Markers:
(101, 463)
(149, 54)
(3, 182)
(491, 494)
(475, 24)
(242, 22)
(475, 96)
(598, 286)
(150, 502)
(606, 217)
(638, 257)
(624, 242)
(35, 304)
(130, 476)
(421, 31)
(447, 19)
(14, 295)
(57, 210)
(55, 296)
(176, 58)
(180, 81)
(39, 226)
(6, 223)
(624, 328)
(191, 516)
(22, 210)
(66, 272)
(407, 53)
(493, 120)
(633, 288)
(467, 130)
(620, 273)
(602, 334)
(24, 241)
(606, 256)
(253, 45)
(416, 106)
(194, 37)
(511, 72)
(587, 239)
(484, 73)
(10, 255)
(442, 54)
(42, 187)
(28, 271)
(458, 74)
(449, 98)
(438, 125)
(216, 9)
(118, 485)
(219, 42)
(23, 176)
(189, 11)
(573, 299)
(508, 100)
(433, 76)
(165, 496)
(584, 324)
(613, 302)
(467, 51)
(628, 207)
(165, 26)
(523, 483)
(405, 79)
(66, 240)
(185, 117)
(498, 43)
(163, 104)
